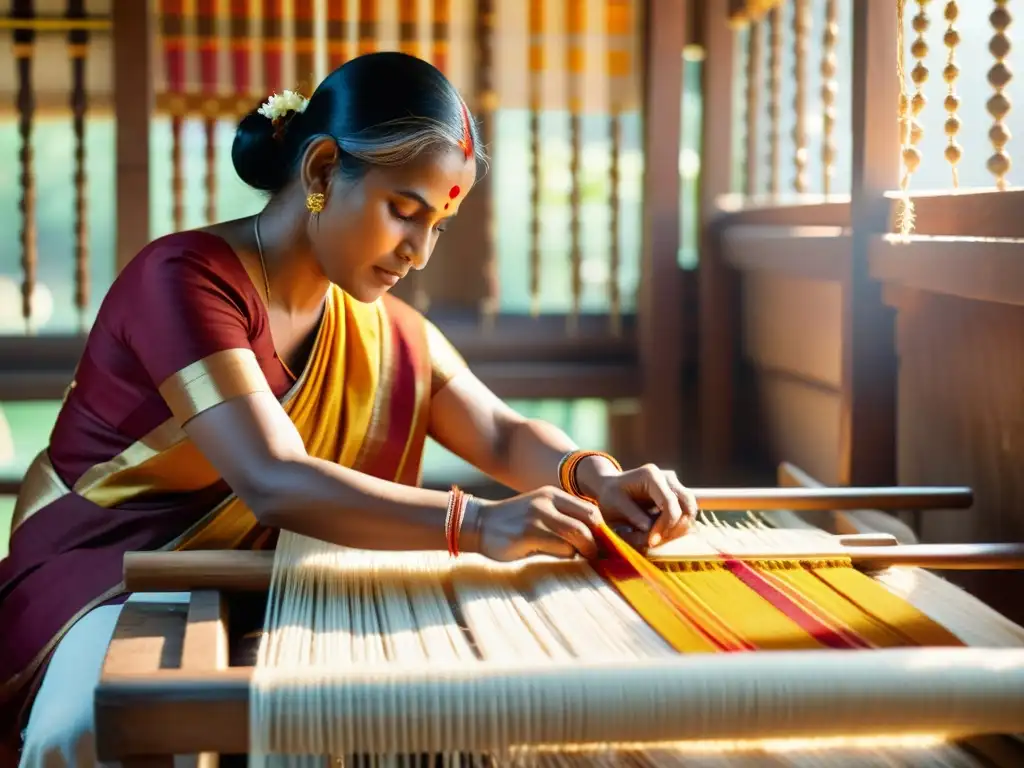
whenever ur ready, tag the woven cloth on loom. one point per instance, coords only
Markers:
(391, 654)
(726, 604)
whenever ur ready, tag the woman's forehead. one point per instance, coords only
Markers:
(439, 177)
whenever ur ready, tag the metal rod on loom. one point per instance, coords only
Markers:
(251, 571)
(832, 499)
(158, 571)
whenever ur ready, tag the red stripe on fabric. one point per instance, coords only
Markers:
(617, 570)
(802, 618)
(273, 47)
(240, 70)
(617, 566)
(401, 405)
(208, 45)
(241, 77)
(175, 70)
(174, 46)
(812, 608)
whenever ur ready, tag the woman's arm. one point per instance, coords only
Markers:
(255, 447)
(473, 423)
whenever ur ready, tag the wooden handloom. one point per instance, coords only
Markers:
(177, 677)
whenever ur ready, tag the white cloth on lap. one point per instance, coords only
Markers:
(61, 727)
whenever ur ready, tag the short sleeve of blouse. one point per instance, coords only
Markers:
(445, 360)
(190, 326)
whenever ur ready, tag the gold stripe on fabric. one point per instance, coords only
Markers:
(40, 488)
(377, 424)
(223, 527)
(155, 442)
(357, 382)
(446, 361)
(211, 381)
(180, 468)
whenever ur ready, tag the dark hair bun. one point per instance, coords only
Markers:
(259, 158)
(370, 105)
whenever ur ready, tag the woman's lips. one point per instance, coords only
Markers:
(389, 279)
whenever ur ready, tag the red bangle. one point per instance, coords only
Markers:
(567, 471)
(453, 519)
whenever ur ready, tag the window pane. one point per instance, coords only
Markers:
(6, 510)
(585, 421)
(53, 144)
(24, 431)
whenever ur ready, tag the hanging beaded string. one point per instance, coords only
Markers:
(829, 86)
(998, 105)
(801, 29)
(950, 74)
(755, 78)
(910, 108)
(775, 99)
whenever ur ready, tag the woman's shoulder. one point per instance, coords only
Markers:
(186, 253)
(184, 263)
(184, 273)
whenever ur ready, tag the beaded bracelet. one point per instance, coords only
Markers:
(457, 499)
(567, 471)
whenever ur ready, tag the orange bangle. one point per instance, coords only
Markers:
(453, 519)
(567, 471)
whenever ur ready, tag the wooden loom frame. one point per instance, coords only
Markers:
(167, 688)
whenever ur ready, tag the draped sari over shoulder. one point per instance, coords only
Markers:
(182, 330)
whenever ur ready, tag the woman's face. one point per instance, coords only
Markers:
(374, 230)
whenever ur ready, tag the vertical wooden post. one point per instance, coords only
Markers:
(461, 277)
(659, 303)
(868, 418)
(717, 326)
(133, 105)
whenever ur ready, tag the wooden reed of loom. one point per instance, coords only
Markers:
(170, 686)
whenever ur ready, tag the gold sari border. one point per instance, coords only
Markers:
(41, 487)
(211, 381)
(156, 441)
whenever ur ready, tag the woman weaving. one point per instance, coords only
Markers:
(255, 375)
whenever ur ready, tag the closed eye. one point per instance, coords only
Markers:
(397, 213)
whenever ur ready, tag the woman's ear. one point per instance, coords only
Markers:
(319, 163)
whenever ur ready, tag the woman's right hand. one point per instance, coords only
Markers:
(547, 521)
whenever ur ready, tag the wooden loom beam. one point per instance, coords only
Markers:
(210, 712)
(148, 639)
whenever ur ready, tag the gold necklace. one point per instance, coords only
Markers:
(266, 284)
(263, 263)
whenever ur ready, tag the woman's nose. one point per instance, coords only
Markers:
(416, 251)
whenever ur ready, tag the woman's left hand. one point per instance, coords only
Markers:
(649, 500)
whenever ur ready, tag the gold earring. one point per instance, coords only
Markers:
(315, 202)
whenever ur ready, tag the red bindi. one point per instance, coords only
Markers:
(454, 192)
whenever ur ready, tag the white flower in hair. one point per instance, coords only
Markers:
(280, 104)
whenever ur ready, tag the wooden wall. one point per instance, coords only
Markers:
(961, 420)
(792, 350)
